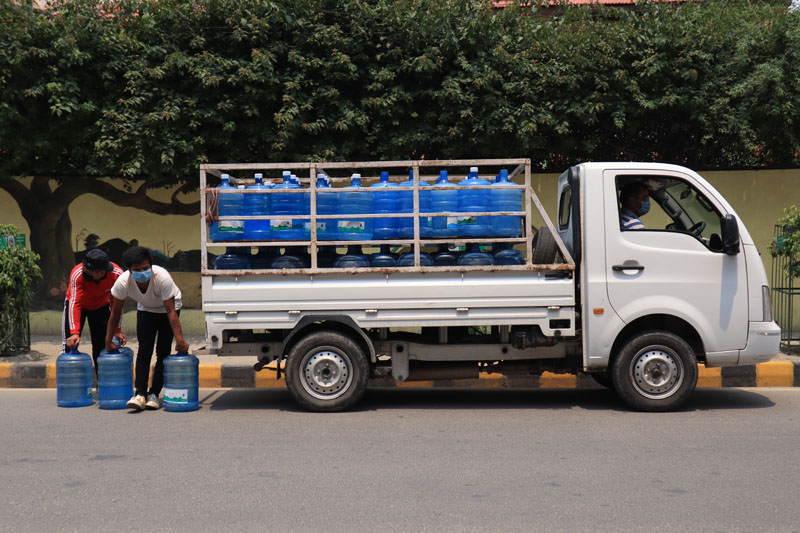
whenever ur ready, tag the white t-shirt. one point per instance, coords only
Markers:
(161, 288)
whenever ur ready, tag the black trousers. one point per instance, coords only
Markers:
(152, 330)
(98, 320)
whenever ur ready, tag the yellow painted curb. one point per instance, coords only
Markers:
(708, 377)
(491, 380)
(5, 374)
(51, 375)
(550, 380)
(210, 375)
(775, 374)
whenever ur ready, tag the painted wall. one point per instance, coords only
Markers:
(759, 197)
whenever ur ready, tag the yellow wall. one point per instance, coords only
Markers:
(759, 198)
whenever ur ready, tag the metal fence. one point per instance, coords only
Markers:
(785, 294)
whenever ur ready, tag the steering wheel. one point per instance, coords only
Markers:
(697, 229)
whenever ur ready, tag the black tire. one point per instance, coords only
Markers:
(327, 371)
(655, 371)
(544, 247)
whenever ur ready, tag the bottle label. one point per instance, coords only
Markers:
(280, 224)
(322, 227)
(352, 226)
(452, 222)
(89, 393)
(230, 226)
(462, 221)
(176, 395)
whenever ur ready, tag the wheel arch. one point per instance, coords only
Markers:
(342, 324)
(662, 322)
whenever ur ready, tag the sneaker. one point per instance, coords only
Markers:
(153, 402)
(137, 402)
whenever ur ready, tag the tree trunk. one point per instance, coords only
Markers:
(51, 233)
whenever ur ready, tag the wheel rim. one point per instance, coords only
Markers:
(657, 372)
(326, 373)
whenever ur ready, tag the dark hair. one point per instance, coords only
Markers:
(630, 189)
(136, 254)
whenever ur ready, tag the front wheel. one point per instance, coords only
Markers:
(655, 371)
(327, 371)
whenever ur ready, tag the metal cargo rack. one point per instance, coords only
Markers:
(520, 166)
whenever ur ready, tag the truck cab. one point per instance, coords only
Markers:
(686, 266)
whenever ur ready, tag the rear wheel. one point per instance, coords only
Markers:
(655, 371)
(327, 371)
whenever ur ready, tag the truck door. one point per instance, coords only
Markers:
(673, 263)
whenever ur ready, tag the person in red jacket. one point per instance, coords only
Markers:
(89, 297)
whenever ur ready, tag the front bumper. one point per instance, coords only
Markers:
(763, 343)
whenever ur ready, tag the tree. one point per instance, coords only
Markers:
(148, 90)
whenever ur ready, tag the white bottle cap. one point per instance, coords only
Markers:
(225, 176)
(473, 169)
(287, 173)
(259, 176)
(356, 176)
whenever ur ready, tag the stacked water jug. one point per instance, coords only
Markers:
(444, 208)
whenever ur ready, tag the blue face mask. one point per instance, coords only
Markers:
(644, 208)
(142, 276)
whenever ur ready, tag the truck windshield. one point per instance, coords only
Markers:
(695, 208)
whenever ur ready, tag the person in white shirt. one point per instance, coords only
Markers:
(158, 304)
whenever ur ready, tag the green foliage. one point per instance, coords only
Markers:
(153, 88)
(788, 244)
(18, 273)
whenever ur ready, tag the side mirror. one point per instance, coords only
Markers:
(730, 235)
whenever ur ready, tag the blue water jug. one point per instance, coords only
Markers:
(405, 204)
(444, 198)
(257, 204)
(444, 257)
(352, 259)
(181, 382)
(501, 198)
(234, 258)
(264, 258)
(326, 205)
(74, 379)
(283, 209)
(293, 257)
(230, 205)
(504, 254)
(384, 202)
(407, 260)
(474, 257)
(302, 225)
(384, 258)
(354, 229)
(473, 200)
(114, 378)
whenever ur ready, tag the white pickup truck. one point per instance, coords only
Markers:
(635, 308)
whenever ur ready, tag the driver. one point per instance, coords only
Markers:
(634, 201)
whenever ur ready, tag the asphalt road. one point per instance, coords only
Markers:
(406, 460)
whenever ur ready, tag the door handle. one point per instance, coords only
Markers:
(620, 268)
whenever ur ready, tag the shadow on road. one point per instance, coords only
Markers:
(432, 398)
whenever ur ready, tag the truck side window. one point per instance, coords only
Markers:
(564, 207)
(671, 205)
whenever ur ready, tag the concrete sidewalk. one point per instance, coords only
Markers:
(37, 369)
